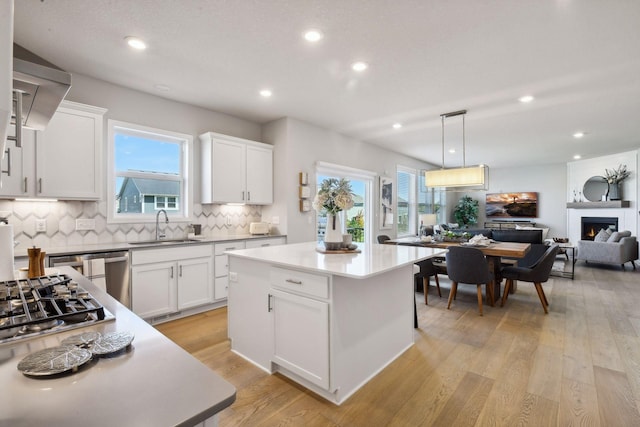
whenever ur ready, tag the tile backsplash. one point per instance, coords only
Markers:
(60, 218)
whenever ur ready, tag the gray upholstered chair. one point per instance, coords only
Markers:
(536, 274)
(620, 247)
(427, 269)
(383, 238)
(468, 265)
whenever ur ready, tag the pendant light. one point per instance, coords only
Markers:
(472, 177)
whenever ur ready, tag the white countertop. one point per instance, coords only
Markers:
(155, 383)
(374, 258)
(21, 251)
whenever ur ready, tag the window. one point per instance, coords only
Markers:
(414, 198)
(148, 171)
(407, 212)
(357, 221)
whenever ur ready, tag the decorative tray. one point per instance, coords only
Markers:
(339, 251)
(52, 361)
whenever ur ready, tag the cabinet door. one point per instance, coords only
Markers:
(229, 169)
(18, 166)
(195, 282)
(301, 336)
(259, 175)
(154, 289)
(69, 154)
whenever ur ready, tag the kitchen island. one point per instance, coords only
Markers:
(330, 322)
(153, 383)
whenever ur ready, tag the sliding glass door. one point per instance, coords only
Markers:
(357, 220)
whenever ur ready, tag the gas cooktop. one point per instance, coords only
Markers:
(44, 305)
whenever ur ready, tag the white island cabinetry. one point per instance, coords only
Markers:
(236, 170)
(167, 280)
(329, 322)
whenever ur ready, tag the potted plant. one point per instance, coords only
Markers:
(334, 196)
(466, 211)
(614, 178)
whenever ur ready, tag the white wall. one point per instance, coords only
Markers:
(579, 172)
(298, 146)
(549, 181)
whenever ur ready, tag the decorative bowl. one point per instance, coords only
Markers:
(333, 246)
(560, 239)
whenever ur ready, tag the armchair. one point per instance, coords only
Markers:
(620, 248)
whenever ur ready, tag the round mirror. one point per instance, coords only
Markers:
(595, 188)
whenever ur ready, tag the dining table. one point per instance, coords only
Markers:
(493, 252)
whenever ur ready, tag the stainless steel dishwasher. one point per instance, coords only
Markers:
(116, 270)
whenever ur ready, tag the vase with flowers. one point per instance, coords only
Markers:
(614, 178)
(334, 196)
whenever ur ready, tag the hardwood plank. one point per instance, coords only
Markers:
(578, 405)
(473, 391)
(546, 373)
(537, 411)
(616, 402)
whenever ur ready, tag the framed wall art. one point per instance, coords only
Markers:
(386, 203)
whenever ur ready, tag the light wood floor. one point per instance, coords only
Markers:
(577, 366)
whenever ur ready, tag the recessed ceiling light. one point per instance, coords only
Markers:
(266, 93)
(526, 98)
(577, 156)
(135, 43)
(397, 125)
(578, 135)
(452, 150)
(313, 36)
(359, 66)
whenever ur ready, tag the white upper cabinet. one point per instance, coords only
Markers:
(236, 170)
(6, 69)
(64, 161)
(69, 153)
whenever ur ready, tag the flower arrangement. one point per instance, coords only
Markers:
(616, 176)
(334, 196)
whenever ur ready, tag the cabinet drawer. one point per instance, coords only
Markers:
(303, 283)
(261, 243)
(146, 256)
(221, 248)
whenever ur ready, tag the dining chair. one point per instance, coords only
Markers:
(427, 269)
(383, 238)
(536, 274)
(468, 265)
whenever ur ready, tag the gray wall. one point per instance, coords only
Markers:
(298, 146)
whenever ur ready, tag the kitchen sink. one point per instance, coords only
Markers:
(163, 241)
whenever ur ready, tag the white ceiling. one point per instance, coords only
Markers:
(579, 58)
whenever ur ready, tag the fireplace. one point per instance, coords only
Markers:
(592, 224)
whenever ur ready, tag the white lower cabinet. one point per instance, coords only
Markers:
(301, 336)
(222, 260)
(280, 319)
(167, 280)
(222, 267)
(154, 289)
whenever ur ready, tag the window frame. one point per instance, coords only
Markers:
(412, 214)
(182, 213)
(340, 171)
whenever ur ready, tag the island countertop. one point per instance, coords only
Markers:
(153, 383)
(373, 259)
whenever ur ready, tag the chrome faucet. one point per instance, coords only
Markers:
(160, 235)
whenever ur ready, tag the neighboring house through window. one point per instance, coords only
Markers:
(148, 171)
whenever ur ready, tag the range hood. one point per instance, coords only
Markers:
(43, 87)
